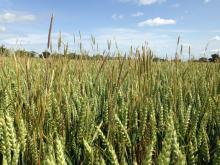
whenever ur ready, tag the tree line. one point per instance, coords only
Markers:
(45, 54)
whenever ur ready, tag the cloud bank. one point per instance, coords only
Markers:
(10, 17)
(157, 22)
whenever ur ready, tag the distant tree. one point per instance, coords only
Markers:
(72, 55)
(215, 58)
(97, 57)
(45, 54)
(4, 51)
(203, 59)
(156, 59)
(21, 53)
(32, 54)
(176, 60)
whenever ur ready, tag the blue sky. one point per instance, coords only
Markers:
(24, 23)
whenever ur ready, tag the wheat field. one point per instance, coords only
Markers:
(59, 111)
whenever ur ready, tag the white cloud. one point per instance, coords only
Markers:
(210, 51)
(216, 38)
(2, 29)
(207, 1)
(215, 50)
(157, 22)
(34, 38)
(27, 39)
(117, 16)
(212, 43)
(137, 14)
(124, 37)
(149, 2)
(161, 41)
(9, 17)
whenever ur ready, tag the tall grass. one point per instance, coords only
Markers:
(126, 111)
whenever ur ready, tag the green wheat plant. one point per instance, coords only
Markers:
(127, 110)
